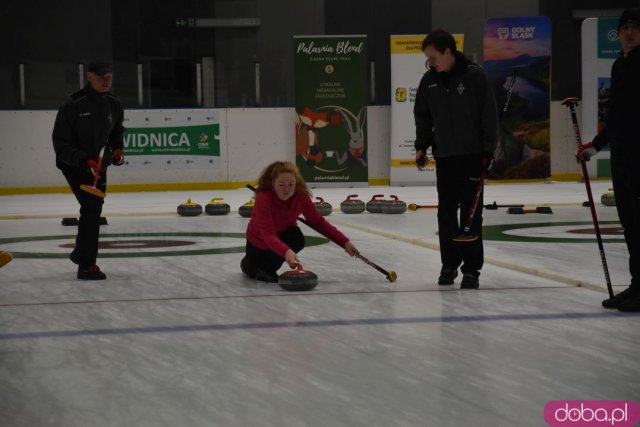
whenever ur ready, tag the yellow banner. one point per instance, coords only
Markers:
(406, 44)
(413, 44)
(410, 163)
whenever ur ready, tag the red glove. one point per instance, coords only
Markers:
(586, 151)
(487, 161)
(118, 158)
(93, 166)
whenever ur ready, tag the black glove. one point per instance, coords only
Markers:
(487, 161)
(421, 159)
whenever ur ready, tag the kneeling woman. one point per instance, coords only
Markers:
(273, 236)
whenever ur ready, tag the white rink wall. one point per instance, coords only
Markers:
(250, 138)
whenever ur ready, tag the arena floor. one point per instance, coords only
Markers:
(177, 336)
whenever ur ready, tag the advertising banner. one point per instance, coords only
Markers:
(407, 68)
(600, 48)
(608, 45)
(198, 140)
(160, 144)
(517, 59)
(331, 108)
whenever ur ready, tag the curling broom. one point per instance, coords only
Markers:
(92, 189)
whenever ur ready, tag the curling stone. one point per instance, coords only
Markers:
(515, 211)
(394, 206)
(215, 207)
(323, 207)
(298, 280)
(375, 204)
(492, 207)
(351, 205)
(69, 221)
(189, 209)
(608, 198)
(246, 209)
(544, 210)
(539, 209)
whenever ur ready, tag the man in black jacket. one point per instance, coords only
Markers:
(89, 120)
(455, 114)
(622, 134)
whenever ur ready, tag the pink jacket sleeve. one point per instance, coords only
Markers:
(265, 227)
(317, 221)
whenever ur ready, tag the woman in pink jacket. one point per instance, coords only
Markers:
(273, 236)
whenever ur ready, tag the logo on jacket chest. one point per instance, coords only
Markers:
(460, 88)
(85, 114)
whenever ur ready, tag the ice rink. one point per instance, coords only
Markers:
(177, 336)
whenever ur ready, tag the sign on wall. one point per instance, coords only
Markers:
(331, 108)
(407, 68)
(162, 144)
(517, 55)
(198, 140)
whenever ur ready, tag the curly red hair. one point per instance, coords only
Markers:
(275, 169)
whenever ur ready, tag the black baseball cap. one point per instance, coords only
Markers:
(628, 15)
(100, 67)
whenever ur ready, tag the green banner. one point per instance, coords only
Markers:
(201, 140)
(608, 44)
(331, 108)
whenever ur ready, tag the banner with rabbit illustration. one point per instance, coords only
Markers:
(331, 108)
(407, 68)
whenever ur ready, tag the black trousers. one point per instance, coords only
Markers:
(457, 179)
(626, 188)
(267, 260)
(86, 250)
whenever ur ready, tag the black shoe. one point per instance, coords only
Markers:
(618, 299)
(470, 281)
(266, 276)
(90, 273)
(447, 276)
(73, 256)
(630, 304)
(245, 268)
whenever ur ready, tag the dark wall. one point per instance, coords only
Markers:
(270, 45)
(50, 39)
(566, 67)
(145, 32)
(378, 19)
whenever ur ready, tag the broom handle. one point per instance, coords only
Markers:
(592, 206)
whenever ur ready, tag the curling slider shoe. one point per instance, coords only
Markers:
(465, 238)
(5, 258)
